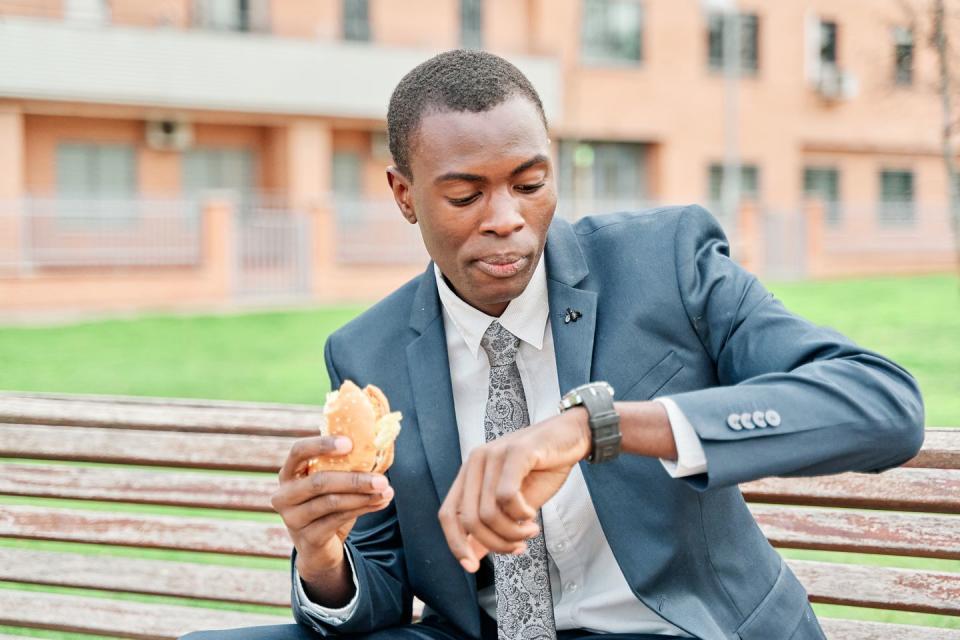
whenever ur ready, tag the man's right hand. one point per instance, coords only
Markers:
(319, 511)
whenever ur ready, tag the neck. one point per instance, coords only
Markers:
(496, 310)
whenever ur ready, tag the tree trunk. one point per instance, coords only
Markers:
(941, 45)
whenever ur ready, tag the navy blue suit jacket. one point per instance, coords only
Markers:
(665, 312)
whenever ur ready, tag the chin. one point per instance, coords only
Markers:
(501, 291)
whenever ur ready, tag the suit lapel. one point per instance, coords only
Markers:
(429, 370)
(572, 339)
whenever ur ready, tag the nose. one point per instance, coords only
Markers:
(503, 215)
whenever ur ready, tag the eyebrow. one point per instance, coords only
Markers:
(472, 177)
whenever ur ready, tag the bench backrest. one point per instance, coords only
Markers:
(84, 477)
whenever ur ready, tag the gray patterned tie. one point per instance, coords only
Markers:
(524, 600)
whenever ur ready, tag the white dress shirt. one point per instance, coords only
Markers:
(589, 590)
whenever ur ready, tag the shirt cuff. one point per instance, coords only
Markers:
(691, 458)
(326, 614)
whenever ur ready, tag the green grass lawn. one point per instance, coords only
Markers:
(278, 357)
(273, 356)
(915, 321)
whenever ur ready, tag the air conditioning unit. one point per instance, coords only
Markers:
(169, 135)
(836, 84)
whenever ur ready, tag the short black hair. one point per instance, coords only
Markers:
(458, 80)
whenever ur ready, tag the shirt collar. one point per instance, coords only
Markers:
(525, 316)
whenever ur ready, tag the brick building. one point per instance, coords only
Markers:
(162, 152)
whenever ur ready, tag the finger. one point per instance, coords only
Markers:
(453, 529)
(478, 549)
(508, 493)
(470, 506)
(319, 531)
(300, 516)
(491, 514)
(306, 448)
(299, 490)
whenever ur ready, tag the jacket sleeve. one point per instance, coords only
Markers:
(792, 398)
(384, 598)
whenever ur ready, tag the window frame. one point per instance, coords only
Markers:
(749, 65)
(471, 38)
(603, 57)
(899, 207)
(355, 21)
(832, 207)
(126, 197)
(746, 168)
(832, 27)
(903, 77)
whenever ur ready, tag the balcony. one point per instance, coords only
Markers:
(197, 69)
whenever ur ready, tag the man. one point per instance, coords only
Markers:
(526, 539)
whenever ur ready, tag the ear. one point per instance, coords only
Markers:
(402, 193)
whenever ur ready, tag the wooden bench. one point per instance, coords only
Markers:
(154, 454)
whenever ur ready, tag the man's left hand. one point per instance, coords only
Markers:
(493, 503)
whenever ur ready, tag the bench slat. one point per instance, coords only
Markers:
(929, 490)
(135, 530)
(932, 536)
(854, 585)
(880, 587)
(801, 528)
(837, 629)
(213, 451)
(941, 450)
(243, 405)
(163, 414)
(138, 485)
(119, 618)
(153, 577)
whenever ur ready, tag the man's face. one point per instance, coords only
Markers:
(483, 193)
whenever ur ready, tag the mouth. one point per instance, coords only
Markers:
(502, 265)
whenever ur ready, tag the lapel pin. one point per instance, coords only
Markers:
(571, 315)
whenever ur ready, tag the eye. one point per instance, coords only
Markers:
(529, 188)
(462, 202)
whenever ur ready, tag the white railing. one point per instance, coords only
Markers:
(111, 232)
(875, 229)
(372, 231)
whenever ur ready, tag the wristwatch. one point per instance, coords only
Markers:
(597, 399)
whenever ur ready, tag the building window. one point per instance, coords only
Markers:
(599, 177)
(89, 171)
(356, 20)
(471, 24)
(231, 15)
(896, 197)
(824, 183)
(87, 12)
(347, 174)
(232, 170)
(903, 56)
(96, 183)
(749, 183)
(828, 44)
(612, 31)
(749, 41)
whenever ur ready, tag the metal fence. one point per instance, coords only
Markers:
(272, 252)
(372, 231)
(45, 233)
(271, 244)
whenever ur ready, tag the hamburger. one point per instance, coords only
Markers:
(364, 416)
